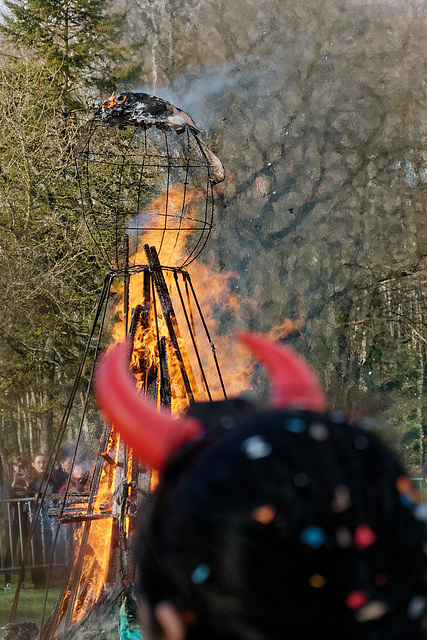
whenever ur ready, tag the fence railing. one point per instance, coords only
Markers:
(16, 517)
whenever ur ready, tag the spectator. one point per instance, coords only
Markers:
(42, 532)
(79, 476)
(267, 524)
(17, 520)
(60, 475)
(37, 472)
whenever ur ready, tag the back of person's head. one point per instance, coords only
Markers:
(282, 523)
(290, 525)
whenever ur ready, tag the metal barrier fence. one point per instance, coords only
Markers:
(16, 517)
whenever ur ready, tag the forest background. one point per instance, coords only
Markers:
(318, 112)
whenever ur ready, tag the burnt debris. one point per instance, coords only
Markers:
(143, 110)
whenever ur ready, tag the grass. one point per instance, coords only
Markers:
(30, 605)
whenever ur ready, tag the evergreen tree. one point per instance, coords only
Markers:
(78, 40)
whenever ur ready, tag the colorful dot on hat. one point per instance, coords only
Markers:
(356, 599)
(408, 494)
(416, 607)
(374, 610)
(364, 537)
(200, 574)
(317, 581)
(301, 480)
(366, 423)
(381, 579)
(420, 512)
(313, 536)
(404, 484)
(264, 514)
(256, 447)
(407, 501)
(295, 425)
(361, 443)
(343, 537)
(226, 422)
(338, 417)
(318, 431)
(341, 500)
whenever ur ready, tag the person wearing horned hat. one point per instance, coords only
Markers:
(284, 522)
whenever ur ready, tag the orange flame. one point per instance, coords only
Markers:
(172, 219)
(214, 292)
(96, 563)
(289, 326)
(107, 104)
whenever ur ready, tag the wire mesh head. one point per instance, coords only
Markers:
(151, 181)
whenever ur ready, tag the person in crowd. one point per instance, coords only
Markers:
(37, 472)
(79, 479)
(42, 528)
(79, 476)
(73, 479)
(17, 517)
(284, 522)
(60, 475)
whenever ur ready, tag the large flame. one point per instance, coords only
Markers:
(171, 220)
(92, 581)
(217, 294)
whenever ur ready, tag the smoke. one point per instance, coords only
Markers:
(205, 94)
(199, 96)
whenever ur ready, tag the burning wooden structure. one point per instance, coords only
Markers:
(146, 184)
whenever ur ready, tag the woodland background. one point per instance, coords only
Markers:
(318, 112)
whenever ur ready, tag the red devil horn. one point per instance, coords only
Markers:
(293, 381)
(151, 432)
